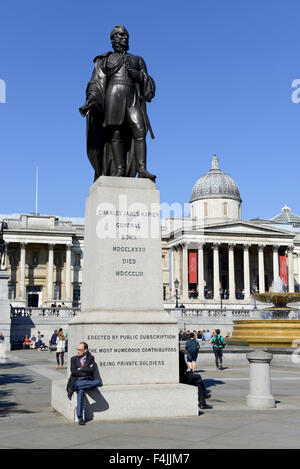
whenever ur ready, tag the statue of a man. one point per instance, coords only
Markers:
(115, 107)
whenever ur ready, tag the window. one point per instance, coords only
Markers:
(225, 209)
(205, 209)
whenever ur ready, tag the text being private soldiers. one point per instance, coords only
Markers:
(115, 107)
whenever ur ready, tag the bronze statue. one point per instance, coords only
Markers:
(115, 107)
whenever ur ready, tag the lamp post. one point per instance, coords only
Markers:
(254, 299)
(221, 293)
(176, 285)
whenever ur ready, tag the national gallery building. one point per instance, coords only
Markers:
(213, 254)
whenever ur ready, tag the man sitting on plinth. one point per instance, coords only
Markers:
(83, 377)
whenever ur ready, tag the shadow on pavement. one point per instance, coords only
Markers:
(212, 382)
(7, 396)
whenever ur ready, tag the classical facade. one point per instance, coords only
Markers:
(44, 259)
(213, 253)
(216, 256)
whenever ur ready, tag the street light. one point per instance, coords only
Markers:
(176, 285)
(221, 293)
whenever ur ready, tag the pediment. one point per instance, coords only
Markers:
(246, 228)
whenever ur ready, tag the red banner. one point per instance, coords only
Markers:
(193, 267)
(283, 270)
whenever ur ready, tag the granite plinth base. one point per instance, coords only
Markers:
(129, 402)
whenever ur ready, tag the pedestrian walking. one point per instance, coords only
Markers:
(218, 343)
(60, 350)
(192, 347)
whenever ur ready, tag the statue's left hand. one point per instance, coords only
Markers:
(84, 110)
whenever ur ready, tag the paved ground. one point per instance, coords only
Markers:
(27, 420)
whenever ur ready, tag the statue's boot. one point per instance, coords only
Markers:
(140, 156)
(118, 155)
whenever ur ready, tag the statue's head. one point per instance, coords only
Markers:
(119, 38)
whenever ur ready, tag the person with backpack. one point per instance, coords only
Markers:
(192, 347)
(218, 343)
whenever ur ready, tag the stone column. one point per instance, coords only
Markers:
(185, 283)
(68, 274)
(260, 387)
(22, 288)
(4, 265)
(261, 268)
(291, 285)
(231, 271)
(275, 267)
(200, 272)
(171, 270)
(216, 271)
(246, 273)
(50, 273)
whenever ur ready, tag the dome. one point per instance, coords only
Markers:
(215, 184)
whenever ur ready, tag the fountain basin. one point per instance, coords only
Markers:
(267, 333)
(279, 299)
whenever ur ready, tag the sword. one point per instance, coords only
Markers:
(146, 118)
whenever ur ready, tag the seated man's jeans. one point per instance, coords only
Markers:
(80, 386)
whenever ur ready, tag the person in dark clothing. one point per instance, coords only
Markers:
(188, 377)
(54, 338)
(218, 344)
(192, 347)
(84, 376)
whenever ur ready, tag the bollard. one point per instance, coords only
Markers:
(260, 387)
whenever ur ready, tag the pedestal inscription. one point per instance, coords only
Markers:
(123, 321)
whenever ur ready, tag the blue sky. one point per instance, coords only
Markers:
(223, 69)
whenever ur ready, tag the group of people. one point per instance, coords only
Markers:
(192, 347)
(192, 293)
(58, 340)
(35, 342)
(85, 375)
(200, 335)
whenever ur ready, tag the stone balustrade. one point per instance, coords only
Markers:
(32, 312)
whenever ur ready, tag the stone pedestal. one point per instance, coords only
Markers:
(260, 387)
(4, 309)
(134, 342)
